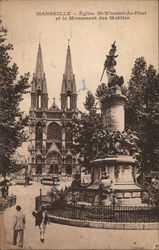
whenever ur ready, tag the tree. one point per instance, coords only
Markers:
(12, 120)
(94, 141)
(142, 111)
(84, 127)
(104, 90)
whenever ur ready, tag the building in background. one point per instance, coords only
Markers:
(51, 140)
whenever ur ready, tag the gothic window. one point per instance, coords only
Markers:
(69, 116)
(38, 144)
(54, 131)
(68, 133)
(39, 132)
(38, 101)
(38, 160)
(48, 144)
(59, 145)
(69, 165)
(68, 102)
(68, 145)
(69, 159)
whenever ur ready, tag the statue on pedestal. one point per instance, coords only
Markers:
(109, 66)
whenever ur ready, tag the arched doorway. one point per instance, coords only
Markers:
(39, 165)
(54, 161)
(69, 165)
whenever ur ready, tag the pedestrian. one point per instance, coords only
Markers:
(18, 226)
(38, 220)
(45, 221)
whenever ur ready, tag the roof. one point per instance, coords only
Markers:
(53, 148)
(54, 106)
(68, 153)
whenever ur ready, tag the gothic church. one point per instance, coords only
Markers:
(51, 141)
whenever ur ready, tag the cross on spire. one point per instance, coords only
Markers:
(68, 42)
(39, 37)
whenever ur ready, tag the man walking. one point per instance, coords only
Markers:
(38, 220)
(45, 221)
(42, 219)
(18, 226)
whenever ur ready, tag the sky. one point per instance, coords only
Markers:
(90, 40)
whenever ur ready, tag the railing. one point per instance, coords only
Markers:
(99, 213)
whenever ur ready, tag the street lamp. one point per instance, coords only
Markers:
(114, 196)
(40, 196)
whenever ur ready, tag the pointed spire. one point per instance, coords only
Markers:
(68, 67)
(68, 90)
(39, 85)
(68, 83)
(39, 72)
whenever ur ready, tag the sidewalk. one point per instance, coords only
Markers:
(68, 237)
(2, 232)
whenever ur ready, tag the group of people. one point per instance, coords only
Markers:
(19, 221)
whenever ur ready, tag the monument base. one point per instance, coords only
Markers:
(122, 172)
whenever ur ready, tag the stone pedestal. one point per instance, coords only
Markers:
(113, 112)
(121, 169)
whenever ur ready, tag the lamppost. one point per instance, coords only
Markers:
(40, 196)
(73, 198)
(74, 202)
(51, 197)
(114, 196)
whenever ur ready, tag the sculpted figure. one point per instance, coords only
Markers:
(109, 66)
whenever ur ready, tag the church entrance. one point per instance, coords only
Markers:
(69, 165)
(54, 168)
(38, 169)
(39, 165)
(68, 169)
(54, 161)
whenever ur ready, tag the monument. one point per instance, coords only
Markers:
(119, 162)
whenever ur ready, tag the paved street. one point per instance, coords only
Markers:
(68, 237)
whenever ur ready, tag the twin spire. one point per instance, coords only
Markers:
(68, 83)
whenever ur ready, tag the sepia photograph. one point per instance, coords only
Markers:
(79, 124)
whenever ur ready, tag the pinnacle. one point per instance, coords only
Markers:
(39, 72)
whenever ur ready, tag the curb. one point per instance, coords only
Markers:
(106, 225)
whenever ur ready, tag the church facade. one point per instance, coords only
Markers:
(51, 141)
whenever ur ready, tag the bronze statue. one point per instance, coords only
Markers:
(109, 66)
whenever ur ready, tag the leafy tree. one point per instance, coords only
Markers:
(142, 111)
(104, 90)
(94, 141)
(84, 127)
(152, 195)
(90, 104)
(12, 120)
